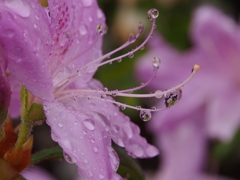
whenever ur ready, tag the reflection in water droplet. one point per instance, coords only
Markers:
(153, 14)
(89, 124)
(68, 158)
(173, 97)
(145, 115)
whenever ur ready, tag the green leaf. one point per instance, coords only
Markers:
(128, 168)
(55, 152)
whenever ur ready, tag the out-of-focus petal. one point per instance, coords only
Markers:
(218, 36)
(223, 113)
(35, 173)
(25, 37)
(84, 140)
(182, 148)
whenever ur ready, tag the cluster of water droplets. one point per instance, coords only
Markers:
(171, 96)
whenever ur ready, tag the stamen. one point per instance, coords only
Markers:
(93, 65)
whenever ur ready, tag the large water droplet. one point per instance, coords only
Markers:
(156, 62)
(153, 14)
(145, 115)
(116, 128)
(89, 124)
(68, 158)
(173, 97)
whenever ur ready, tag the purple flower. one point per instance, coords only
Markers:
(54, 53)
(210, 103)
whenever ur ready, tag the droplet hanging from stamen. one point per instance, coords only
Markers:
(105, 89)
(142, 47)
(100, 29)
(145, 115)
(156, 62)
(153, 14)
(158, 94)
(132, 38)
(172, 98)
(131, 55)
(119, 60)
(140, 27)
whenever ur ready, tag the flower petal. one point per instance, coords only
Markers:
(83, 139)
(76, 39)
(25, 37)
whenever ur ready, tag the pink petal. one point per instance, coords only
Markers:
(74, 24)
(83, 139)
(35, 173)
(25, 37)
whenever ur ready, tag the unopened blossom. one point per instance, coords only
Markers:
(210, 103)
(54, 53)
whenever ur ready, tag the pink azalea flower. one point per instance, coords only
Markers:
(35, 173)
(54, 53)
(209, 105)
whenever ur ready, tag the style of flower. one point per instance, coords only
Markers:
(210, 103)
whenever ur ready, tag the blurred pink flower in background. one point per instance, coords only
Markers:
(210, 104)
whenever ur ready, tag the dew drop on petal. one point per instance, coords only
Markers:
(87, 2)
(95, 149)
(153, 14)
(145, 115)
(60, 124)
(68, 158)
(101, 176)
(140, 27)
(89, 124)
(100, 29)
(173, 97)
(116, 128)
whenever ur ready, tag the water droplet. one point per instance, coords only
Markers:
(35, 26)
(89, 124)
(83, 29)
(140, 27)
(158, 93)
(173, 97)
(99, 13)
(132, 38)
(87, 2)
(68, 158)
(153, 14)
(119, 59)
(100, 29)
(86, 161)
(153, 108)
(100, 176)
(104, 134)
(95, 149)
(116, 128)
(142, 47)
(156, 62)
(130, 55)
(92, 140)
(145, 115)
(122, 107)
(60, 124)
(105, 89)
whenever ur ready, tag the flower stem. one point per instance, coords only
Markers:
(23, 134)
